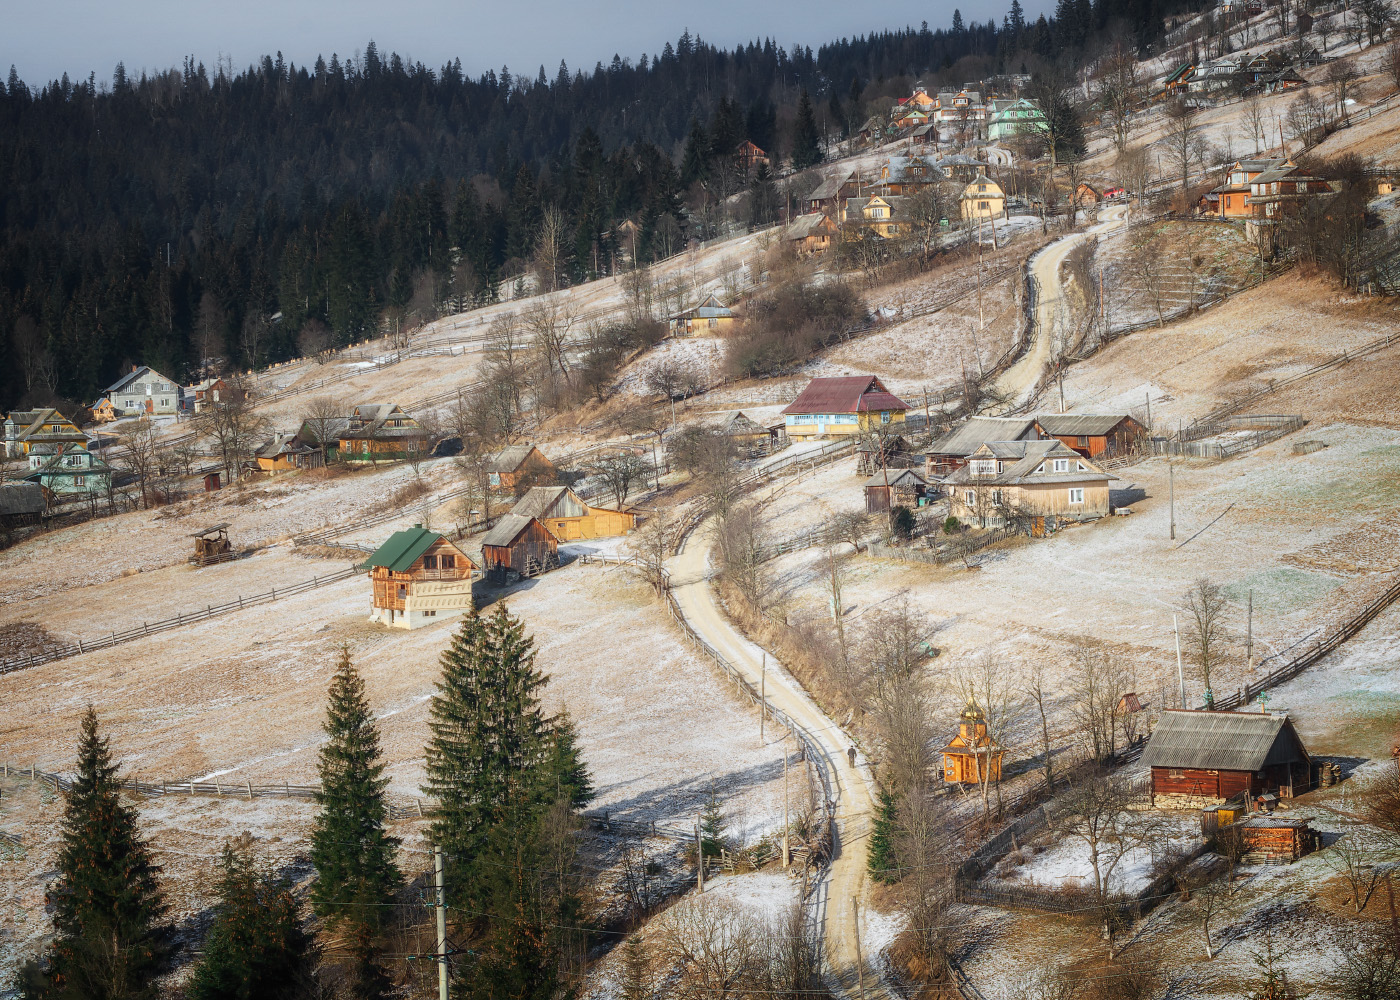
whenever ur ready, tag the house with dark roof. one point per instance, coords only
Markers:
(827, 196)
(69, 469)
(1203, 758)
(950, 452)
(1038, 483)
(286, 452)
(144, 390)
(844, 405)
(519, 545)
(21, 505)
(381, 431)
(418, 577)
(569, 517)
(1093, 434)
(520, 465)
(884, 215)
(811, 233)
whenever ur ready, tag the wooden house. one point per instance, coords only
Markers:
(1230, 200)
(519, 545)
(418, 576)
(1086, 194)
(1093, 434)
(569, 517)
(1037, 484)
(26, 430)
(894, 488)
(1203, 758)
(22, 505)
(972, 755)
(381, 431)
(747, 435)
(811, 233)
(1275, 840)
(902, 175)
(843, 405)
(711, 317)
(749, 156)
(102, 411)
(209, 392)
(983, 198)
(883, 215)
(520, 467)
(950, 452)
(144, 390)
(826, 198)
(286, 452)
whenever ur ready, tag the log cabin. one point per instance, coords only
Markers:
(519, 546)
(894, 487)
(1203, 758)
(972, 754)
(1275, 840)
(1093, 434)
(520, 466)
(568, 517)
(950, 452)
(418, 577)
(22, 505)
(811, 233)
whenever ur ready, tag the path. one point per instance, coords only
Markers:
(1019, 381)
(845, 882)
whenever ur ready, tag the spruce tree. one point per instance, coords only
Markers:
(880, 860)
(256, 947)
(806, 142)
(566, 765)
(637, 982)
(713, 829)
(108, 909)
(356, 874)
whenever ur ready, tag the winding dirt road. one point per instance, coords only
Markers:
(1019, 381)
(846, 882)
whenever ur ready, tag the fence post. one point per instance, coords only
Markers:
(249, 784)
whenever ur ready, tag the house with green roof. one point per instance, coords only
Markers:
(418, 577)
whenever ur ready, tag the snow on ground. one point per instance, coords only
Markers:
(1066, 863)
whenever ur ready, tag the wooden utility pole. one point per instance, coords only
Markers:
(1148, 396)
(787, 854)
(1180, 677)
(1249, 634)
(1171, 494)
(440, 904)
(762, 696)
(699, 861)
(860, 962)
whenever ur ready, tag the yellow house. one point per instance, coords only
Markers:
(972, 755)
(846, 405)
(710, 317)
(27, 429)
(883, 215)
(983, 198)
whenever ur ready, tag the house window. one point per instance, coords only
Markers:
(996, 498)
(984, 467)
(981, 206)
(1061, 465)
(447, 562)
(970, 498)
(884, 417)
(79, 480)
(1081, 466)
(1076, 495)
(429, 614)
(430, 562)
(1175, 772)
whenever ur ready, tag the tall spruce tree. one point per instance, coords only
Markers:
(356, 874)
(574, 784)
(110, 940)
(256, 948)
(806, 141)
(880, 859)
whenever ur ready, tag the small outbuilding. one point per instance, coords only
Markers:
(1275, 840)
(811, 233)
(894, 488)
(1203, 758)
(211, 545)
(22, 505)
(569, 517)
(1094, 434)
(520, 466)
(972, 754)
(711, 316)
(419, 576)
(286, 452)
(519, 545)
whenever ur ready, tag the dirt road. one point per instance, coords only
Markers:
(1051, 311)
(846, 882)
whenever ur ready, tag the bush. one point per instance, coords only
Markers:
(785, 327)
(904, 522)
(951, 525)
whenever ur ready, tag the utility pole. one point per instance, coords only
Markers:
(699, 861)
(762, 696)
(787, 855)
(1249, 635)
(1062, 388)
(1148, 396)
(440, 904)
(1180, 677)
(1171, 493)
(860, 962)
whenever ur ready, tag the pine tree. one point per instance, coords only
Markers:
(256, 947)
(107, 906)
(695, 160)
(356, 874)
(957, 22)
(566, 763)
(880, 860)
(637, 983)
(714, 836)
(806, 144)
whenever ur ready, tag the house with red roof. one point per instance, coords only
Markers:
(847, 405)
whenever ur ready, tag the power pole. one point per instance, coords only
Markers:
(440, 904)
(787, 855)
(1180, 677)
(763, 695)
(1148, 395)
(1249, 635)
(1171, 493)
(860, 962)
(699, 861)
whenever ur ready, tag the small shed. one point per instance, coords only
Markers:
(22, 505)
(522, 466)
(520, 545)
(1094, 434)
(286, 452)
(1203, 758)
(811, 233)
(212, 545)
(1087, 194)
(211, 482)
(972, 754)
(894, 488)
(1275, 840)
(569, 517)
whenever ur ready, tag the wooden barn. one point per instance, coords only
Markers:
(1275, 840)
(711, 316)
(519, 545)
(892, 451)
(1093, 434)
(1203, 758)
(286, 452)
(418, 576)
(747, 435)
(568, 517)
(376, 431)
(521, 466)
(972, 754)
(894, 487)
(22, 505)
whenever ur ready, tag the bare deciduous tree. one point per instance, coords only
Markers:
(1205, 604)
(233, 425)
(741, 551)
(323, 417)
(1182, 136)
(1354, 861)
(505, 361)
(1098, 685)
(139, 453)
(989, 685)
(651, 546)
(1037, 690)
(620, 472)
(1119, 94)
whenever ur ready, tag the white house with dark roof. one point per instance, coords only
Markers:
(144, 390)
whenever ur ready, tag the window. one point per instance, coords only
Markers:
(1175, 772)
(1076, 495)
(982, 206)
(885, 416)
(447, 562)
(996, 498)
(79, 480)
(1081, 467)
(429, 614)
(984, 467)
(1061, 465)
(1041, 467)
(970, 498)
(430, 562)
(981, 188)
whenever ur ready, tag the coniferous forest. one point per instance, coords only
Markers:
(256, 215)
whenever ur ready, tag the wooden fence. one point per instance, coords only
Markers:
(154, 628)
(1260, 431)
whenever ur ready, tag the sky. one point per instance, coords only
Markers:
(45, 39)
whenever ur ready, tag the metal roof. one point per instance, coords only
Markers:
(209, 530)
(898, 477)
(21, 498)
(1222, 741)
(1022, 459)
(1080, 423)
(507, 530)
(847, 394)
(510, 459)
(539, 501)
(402, 549)
(964, 440)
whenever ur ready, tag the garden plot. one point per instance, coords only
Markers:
(1065, 863)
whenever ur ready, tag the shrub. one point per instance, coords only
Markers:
(785, 327)
(951, 525)
(904, 522)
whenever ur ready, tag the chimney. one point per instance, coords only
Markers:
(135, 367)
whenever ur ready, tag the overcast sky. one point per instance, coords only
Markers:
(46, 38)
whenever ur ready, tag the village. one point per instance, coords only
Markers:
(993, 560)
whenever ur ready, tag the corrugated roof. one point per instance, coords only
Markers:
(898, 477)
(507, 530)
(1080, 423)
(21, 498)
(846, 394)
(1021, 460)
(509, 459)
(402, 549)
(1222, 741)
(804, 225)
(964, 440)
(539, 501)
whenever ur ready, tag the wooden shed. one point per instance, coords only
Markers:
(418, 576)
(972, 754)
(895, 487)
(521, 466)
(569, 517)
(1274, 840)
(212, 545)
(285, 452)
(21, 505)
(1093, 434)
(1203, 758)
(519, 545)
